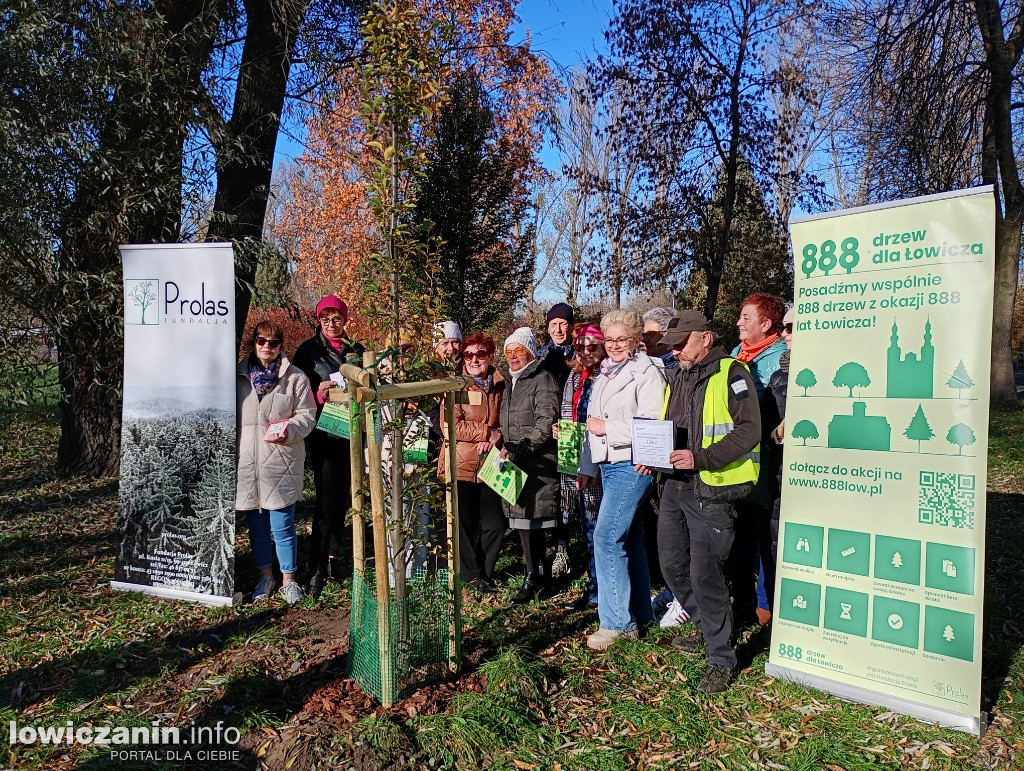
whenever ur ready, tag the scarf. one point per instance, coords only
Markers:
(336, 344)
(581, 397)
(750, 352)
(610, 369)
(485, 384)
(263, 378)
(784, 362)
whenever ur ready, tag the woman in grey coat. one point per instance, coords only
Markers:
(528, 410)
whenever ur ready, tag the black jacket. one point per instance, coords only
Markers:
(686, 410)
(319, 361)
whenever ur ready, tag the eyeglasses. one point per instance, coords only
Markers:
(587, 347)
(516, 351)
(267, 341)
(615, 342)
(331, 320)
(787, 328)
(476, 354)
(653, 333)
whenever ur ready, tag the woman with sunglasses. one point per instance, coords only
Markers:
(482, 522)
(275, 412)
(528, 410)
(582, 505)
(628, 385)
(320, 357)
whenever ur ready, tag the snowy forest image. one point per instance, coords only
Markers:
(176, 508)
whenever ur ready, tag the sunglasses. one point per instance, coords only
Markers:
(787, 328)
(516, 351)
(476, 354)
(267, 341)
(587, 347)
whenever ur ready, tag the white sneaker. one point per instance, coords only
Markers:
(674, 616)
(264, 588)
(292, 592)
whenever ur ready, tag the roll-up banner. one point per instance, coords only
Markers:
(176, 514)
(881, 562)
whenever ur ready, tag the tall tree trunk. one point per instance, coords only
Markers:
(131, 193)
(999, 167)
(245, 155)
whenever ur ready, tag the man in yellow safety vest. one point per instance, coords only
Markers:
(713, 403)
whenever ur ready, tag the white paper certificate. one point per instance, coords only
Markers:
(653, 442)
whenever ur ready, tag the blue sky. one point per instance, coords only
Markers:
(564, 31)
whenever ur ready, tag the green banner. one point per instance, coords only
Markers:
(879, 593)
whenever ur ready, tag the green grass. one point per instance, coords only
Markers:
(73, 649)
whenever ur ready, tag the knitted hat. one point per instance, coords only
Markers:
(589, 331)
(788, 318)
(332, 301)
(447, 330)
(523, 336)
(560, 311)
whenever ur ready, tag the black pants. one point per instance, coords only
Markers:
(332, 477)
(482, 525)
(694, 540)
(751, 549)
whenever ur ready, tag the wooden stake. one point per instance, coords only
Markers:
(452, 515)
(380, 553)
(356, 456)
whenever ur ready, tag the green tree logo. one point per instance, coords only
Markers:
(805, 379)
(961, 435)
(919, 430)
(805, 430)
(142, 296)
(960, 380)
(851, 375)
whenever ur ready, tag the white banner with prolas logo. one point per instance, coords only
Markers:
(176, 513)
(879, 593)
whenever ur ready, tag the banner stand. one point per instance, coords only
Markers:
(213, 600)
(859, 695)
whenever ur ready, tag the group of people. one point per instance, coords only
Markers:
(716, 508)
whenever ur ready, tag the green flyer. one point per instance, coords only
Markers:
(879, 591)
(570, 443)
(508, 482)
(335, 419)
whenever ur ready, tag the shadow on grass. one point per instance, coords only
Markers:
(1004, 600)
(41, 503)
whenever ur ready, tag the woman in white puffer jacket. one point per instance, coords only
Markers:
(275, 412)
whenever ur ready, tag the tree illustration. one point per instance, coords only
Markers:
(805, 430)
(960, 379)
(919, 429)
(948, 634)
(897, 560)
(143, 295)
(851, 375)
(805, 379)
(961, 435)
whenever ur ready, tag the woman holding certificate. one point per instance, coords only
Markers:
(628, 385)
(274, 414)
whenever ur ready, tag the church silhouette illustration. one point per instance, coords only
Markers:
(911, 376)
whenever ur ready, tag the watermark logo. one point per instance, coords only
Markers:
(140, 301)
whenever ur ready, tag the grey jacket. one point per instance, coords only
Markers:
(270, 474)
(528, 410)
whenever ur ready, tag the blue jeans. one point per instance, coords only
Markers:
(587, 525)
(624, 586)
(282, 523)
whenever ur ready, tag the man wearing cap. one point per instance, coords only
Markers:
(713, 402)
(558, 351)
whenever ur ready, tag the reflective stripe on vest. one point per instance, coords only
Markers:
(717, 425)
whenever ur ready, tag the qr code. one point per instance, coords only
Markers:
(946, 499)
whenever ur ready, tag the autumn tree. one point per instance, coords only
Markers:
(470, 203)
